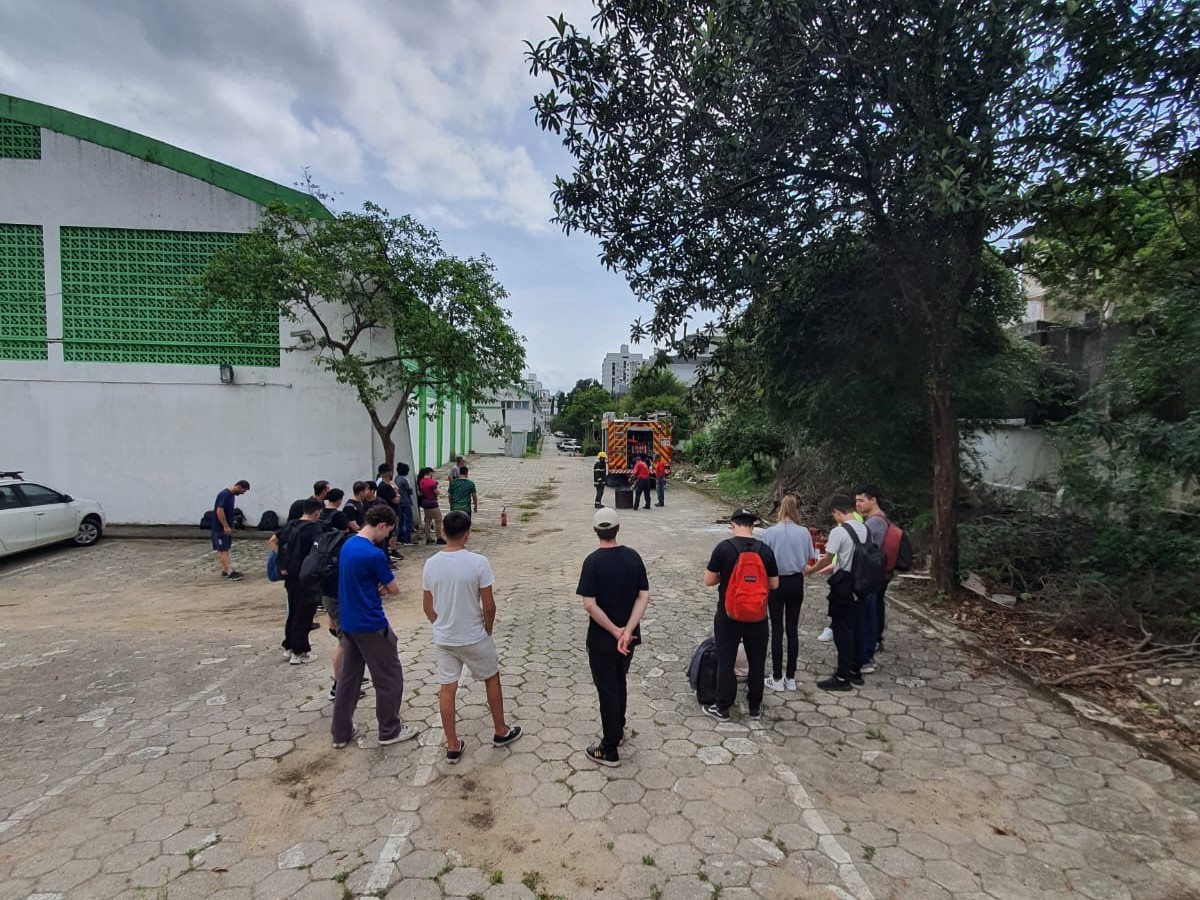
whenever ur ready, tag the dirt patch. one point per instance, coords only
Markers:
(476, 815)
(280, 808)
(789, 887)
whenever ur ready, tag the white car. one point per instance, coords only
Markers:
(33, 515)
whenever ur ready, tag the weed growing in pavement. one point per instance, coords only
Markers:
(868, 853)
(647, 860)
(655, 892)
(497, 877)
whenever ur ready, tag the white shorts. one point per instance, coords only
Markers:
(481, 658)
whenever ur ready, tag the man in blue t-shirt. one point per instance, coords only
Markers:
(221, 529)
(365, 637)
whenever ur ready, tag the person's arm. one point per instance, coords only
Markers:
(487, 600)
(626, 635)
(273, 544)
(475, 500)
(712, 574)
(390, 588)
(600, 617)
(427, 603)
(711, 579)
(220, 513)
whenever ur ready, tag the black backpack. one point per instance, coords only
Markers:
(702, 672)
(321, 564)
(867, 565)
(292, 550)
(206, 520)
(269, 521)
(239, 519)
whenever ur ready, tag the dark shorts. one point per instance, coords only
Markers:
(331, 609)
(221, 541)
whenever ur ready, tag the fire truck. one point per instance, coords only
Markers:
(627, 439)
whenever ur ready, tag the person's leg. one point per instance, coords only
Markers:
(793, 600)
(293, 639)
(662, 487)
(446, 695)
(775, 604)
(301, 642)
(880, 615)
(841, 615)
(437, 524)
(383, 662)
(406, 524)
(495, 702)
(606, 676)
(868, 629)
(426, 524)
(754, 637)
(623, 664)
(223, 561)
(727, 637)
(600, 494)
(350, 676)
(646, 491)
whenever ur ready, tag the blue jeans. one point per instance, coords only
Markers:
(404, 524)
(868, 628)
(662, 486)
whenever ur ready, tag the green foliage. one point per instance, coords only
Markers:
(582, 409)
(356, 276)
(658, 390)
(743, 480)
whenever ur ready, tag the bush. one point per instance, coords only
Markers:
(743, 481)
(697, 449)
(591, 448)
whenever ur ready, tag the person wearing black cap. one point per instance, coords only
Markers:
(615, 591)
(743, 569)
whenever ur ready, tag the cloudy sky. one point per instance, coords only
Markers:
(420, 105)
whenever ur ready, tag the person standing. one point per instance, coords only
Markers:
(332, 516)
(366, 638)
(459, 602)
(355, 508)
(615, 590)
(738, 567)
(641, 479)
(387, 492)
(463, 496)
(221, 530)
(296, 510)
(599, 476)
(845, 609)
(456, 469)
(292, 543)
(660, 479)
(427, 499)
(792, 545)
(404, 511)
(866, 504)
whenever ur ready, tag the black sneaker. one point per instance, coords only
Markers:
(756, 712)
(232, 576)
(716, 712)
(856, 679)
(453, 756)
(834, 684)
(503, 740)
(599, 755)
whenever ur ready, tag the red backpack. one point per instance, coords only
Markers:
(746, 592)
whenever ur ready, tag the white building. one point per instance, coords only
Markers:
(513, 416)
(115, 387)
(619, 370)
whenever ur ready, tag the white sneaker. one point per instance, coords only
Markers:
(826, 635)
(298, 658)
(790, 683)
(407, 732)
(870, 668)
(773, 684)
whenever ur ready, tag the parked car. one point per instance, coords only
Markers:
(571, 446)
(34, 515)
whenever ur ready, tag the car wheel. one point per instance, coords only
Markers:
(88, 533)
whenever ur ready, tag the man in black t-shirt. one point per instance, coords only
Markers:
(293, 542)
(728, 632)
(331, 516)
(615, 591)
(296, 510)
(355, 508)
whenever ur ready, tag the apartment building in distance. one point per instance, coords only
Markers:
(619, 370)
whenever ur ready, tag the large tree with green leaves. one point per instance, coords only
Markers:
(657, 389)
(392, 312)
(716, 140)
(581, 409)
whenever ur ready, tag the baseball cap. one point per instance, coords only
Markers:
(742, 513)
(601, 455)
(605, 518)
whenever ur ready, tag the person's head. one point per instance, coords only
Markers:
(334, 498)
(741, 522)
(384, 471)
(358, 489)
(379, 520)
(241, 487)
(368, 490)
(841, 507)
(320, 489)
(602, 456)
(866, 500)
(606, 523)
(457, 526)
(426, 472)
(402, 469)
(460, 461)
(789, 510)
(462, 473)
(312, 508)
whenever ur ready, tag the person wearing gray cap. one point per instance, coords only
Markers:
(615, 591)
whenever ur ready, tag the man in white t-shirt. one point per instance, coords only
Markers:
(459, 602)
(845, 609)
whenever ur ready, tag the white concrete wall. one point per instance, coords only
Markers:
(154, 443)
(1014, 455)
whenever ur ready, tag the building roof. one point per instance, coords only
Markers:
(244, 184)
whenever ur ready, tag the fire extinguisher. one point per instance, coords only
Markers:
(504, 517)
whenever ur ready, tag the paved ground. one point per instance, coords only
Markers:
(154, 744)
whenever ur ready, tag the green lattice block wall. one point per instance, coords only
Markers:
(19, 141)
(22, 293)
(129, 296)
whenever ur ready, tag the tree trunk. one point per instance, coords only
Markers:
(943, 424)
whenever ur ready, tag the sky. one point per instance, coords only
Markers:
(422, 106)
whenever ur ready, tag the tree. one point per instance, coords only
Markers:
(656, 389)
(393, 311)
(582, 409)
(717, 140)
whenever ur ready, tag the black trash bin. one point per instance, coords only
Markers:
(624, 498)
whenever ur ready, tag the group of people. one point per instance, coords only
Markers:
(645, 479)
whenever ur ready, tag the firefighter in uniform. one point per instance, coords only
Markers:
(599, 473)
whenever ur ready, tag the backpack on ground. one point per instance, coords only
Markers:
(206, 520)
(322, 561)
(239, 519)
(897, 549)
(269, 521)
(746, 591)
(867, 565)
(702, 671)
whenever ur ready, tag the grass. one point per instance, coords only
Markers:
(868, 853)
(647, 860)
(497, 877)
(740, 482)
(655, 892)
(531, 880)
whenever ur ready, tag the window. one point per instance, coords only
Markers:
(36, 495)
(9, 498)
(20, 141)
(22, 292)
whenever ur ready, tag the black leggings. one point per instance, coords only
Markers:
(784, 604)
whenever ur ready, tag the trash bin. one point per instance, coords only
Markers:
(624, 498)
